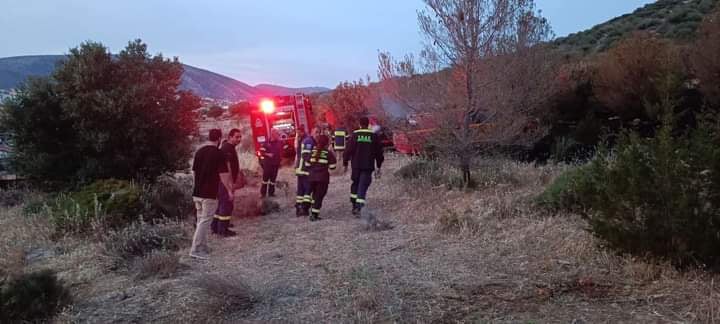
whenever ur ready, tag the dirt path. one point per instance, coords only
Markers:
(511, 269)
(309, 271)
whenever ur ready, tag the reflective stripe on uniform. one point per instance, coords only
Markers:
(315, 210)
(363, 131)
(353, 196)
(222, 218)
(360, 201)
(299, 199)
(332, 166)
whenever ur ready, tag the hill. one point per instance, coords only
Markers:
(675, 19)
(280, 90)
(204, 83)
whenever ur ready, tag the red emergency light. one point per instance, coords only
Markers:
(267, 106)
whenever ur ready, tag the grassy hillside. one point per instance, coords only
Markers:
(675, 19)
(15, 70)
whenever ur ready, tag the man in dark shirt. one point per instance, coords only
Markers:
(363, 151)
(210, 169)
(221, 221)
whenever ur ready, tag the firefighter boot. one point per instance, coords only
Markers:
(356, 209)
(298, 210)
(314, 216)
(223, 230)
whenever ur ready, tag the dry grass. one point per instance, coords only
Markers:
(224, 296)
(158, 264)
(500, 261)
(22, 239)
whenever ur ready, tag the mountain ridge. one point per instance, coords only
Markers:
(205, 83)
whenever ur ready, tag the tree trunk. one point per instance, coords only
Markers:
(468, 149)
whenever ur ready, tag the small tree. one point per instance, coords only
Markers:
(466, 39)
(349, 100)
(100, 116)
(215, 112)
(628, 76)
(240, 108)
(704, 59)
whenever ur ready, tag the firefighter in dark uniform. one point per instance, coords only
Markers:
(303, 148)
(364, 151)
(270, 158)
(321, 161)
(339, 139)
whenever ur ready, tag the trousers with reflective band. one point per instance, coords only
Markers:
(361, 180)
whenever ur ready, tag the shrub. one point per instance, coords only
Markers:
(629, 76)
(417, 169)
(107, 203)
(225, 295)
(168, 197)
(659, 197)
(564, 192)
(31, 297)
(140, 239)
(35, 204)
(434, 173)
(11, 197)
(454, 222)
(158, 264)
(102, 116)
(269, 206)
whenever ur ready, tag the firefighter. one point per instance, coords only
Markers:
(364, 151)
(221, 222)
(321, 161)
(303, 148)
(270, 158)
(339, 139)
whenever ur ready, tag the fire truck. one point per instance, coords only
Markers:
(285, 114)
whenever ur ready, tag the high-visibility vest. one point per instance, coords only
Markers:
(339, 137)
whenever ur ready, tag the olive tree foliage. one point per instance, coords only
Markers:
(481, 73)
(103, 116)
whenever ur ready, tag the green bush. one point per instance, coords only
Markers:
(564, 192)
(141, 239)
(168, 197)
(102, 116)
(107, 203)
(35, 204)
(32, 297)
(659, 197)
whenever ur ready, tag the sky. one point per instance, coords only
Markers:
(286, 42)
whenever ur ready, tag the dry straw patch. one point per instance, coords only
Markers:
(23, 236)
(548, 262)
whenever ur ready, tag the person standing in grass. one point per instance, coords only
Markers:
(221, 220)
(210, 169)
(321, 161)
